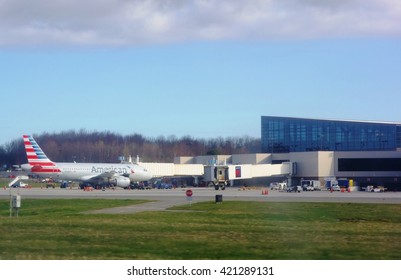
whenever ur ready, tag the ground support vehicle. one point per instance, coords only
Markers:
(217, 176)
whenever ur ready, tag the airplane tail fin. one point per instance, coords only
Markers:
(36, 157)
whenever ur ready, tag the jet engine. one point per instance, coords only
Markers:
(120, 181)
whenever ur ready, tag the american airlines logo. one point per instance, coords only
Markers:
(119, 170)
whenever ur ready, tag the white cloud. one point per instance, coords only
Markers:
(136, 22)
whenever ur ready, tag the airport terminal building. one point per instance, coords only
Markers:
(366, 153)
(355, 154)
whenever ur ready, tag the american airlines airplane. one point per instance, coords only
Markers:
(119, 174)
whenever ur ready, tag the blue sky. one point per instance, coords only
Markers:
(195, 68)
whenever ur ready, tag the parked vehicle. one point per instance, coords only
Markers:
(336, 188)
(294, 189)
(310, 185)
(307, 188)
(161, 184)
(375, 189)
(278, 186)
(20, 184)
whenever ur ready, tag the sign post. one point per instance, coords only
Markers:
(189, 194)
(15, 205)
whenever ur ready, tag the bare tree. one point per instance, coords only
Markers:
(84, 146)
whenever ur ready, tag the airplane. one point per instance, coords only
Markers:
(93, 174)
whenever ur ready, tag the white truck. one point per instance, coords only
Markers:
(310, 185)
(278, 186)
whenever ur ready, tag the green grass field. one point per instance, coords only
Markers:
(58, 229)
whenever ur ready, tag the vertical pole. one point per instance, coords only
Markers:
(11, 203)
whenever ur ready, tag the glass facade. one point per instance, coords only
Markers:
(283, 135)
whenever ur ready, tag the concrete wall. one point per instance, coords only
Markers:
(209, 160)
(326, 164)
(184, 160)
(307, 163)
(252, 159)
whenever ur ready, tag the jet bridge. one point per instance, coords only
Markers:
(249, 171)
(220, 175)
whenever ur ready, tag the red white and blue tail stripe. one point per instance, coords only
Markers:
(37, 158)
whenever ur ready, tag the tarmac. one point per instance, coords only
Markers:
(162, 200)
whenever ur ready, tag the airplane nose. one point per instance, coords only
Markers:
(147, 175)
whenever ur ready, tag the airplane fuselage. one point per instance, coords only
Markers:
(85, 171)
(117, 174)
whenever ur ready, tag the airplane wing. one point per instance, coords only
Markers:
(111, 178)
(97, 177)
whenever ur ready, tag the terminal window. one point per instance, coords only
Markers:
(283, 135)
(369, 164)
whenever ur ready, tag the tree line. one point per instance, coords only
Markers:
(84, 146)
